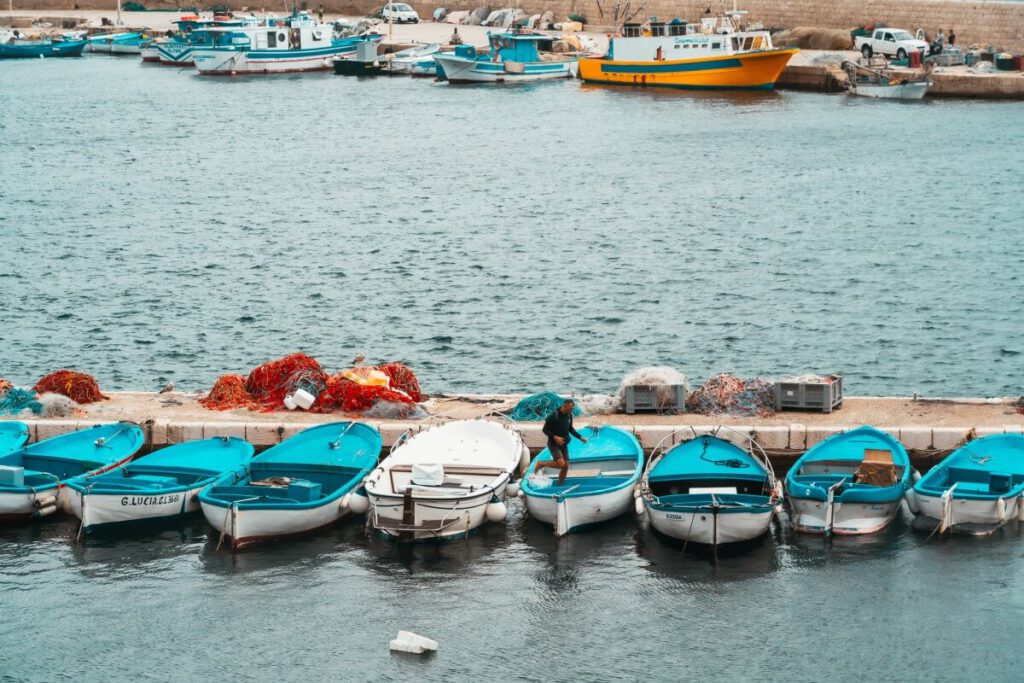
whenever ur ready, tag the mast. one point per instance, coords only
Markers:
(120, 22)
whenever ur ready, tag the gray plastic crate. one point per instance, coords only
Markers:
(823, 397)
(643, 397)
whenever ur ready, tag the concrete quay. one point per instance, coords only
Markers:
(929, 428)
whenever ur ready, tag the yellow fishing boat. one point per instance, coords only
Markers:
(711, 55)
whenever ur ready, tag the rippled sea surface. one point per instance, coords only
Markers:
(157, 226)
(161, 226)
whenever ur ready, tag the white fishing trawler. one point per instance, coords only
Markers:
(297, 43)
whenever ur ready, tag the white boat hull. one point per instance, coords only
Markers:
(963, 511)
(580, 511)
(847, 518)
(453, 519)
(149, 54)
(461, 70)
(703, 527)
(233, 62)
(246, 527)
(100, 509)
(896, 91)
(19, 506)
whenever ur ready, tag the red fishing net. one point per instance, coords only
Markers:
(78, 386)
(4, 385)
(357, 398)
(269, 383)
(402, 378)
(228, 392)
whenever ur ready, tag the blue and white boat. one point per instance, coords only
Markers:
(599, 485)
(297, 43)
(35, 486)
(158, 487)
(58, 46)
(299, 486)
(415, 61)
(192, 32)
(104, 43)
(13, 435)
(513, 58)
(850, 483)
(975, 490)
(709, 490)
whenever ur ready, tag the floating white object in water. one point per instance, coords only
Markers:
(407, 641)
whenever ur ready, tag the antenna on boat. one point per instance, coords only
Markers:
(120, 22)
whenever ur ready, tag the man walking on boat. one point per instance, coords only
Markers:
(558, 428)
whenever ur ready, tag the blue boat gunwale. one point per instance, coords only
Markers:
(12, 430)
(588, 433)
(94, 466)
(852, 492)
(370, 433)
(924, 486)
(92, 483)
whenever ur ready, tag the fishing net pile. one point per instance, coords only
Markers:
(538, 406)
(732, 395)
(390, 390)
(4, 386)
(78, 386)
(15, 400)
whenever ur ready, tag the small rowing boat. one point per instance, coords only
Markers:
(15, 48)
(850, 483)
(598, 486)
(415, 61)
(976, 490)
(104, 43)
(299, 486)
(866, 81)
(13, 436)
(445, 481)
(514, 57)
(158, 487)
(711, 491)
(39, 471)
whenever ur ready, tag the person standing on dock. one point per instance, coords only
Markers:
(952, 38)
(558, 428)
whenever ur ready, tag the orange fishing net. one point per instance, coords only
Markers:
(78, 386)
(269, 383)
(4, 385)
(402, 378)
(228, 392)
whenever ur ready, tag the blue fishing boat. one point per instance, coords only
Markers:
(599, 485)
(513, 57)
(709, 490)
(36, 486)
(15, 48)
(301, 485)
(161, 486)
(104, 43)
(13, 435)
(975, 490)
(850, 483)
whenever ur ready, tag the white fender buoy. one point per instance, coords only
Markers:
(1001, 509)
(911, 497)
(915, 476)
(524, 459)
(496, 510)
(46, 501)
(639, 503)
(512, 489)
(358, 501)
(1020, 509)
(46, 511)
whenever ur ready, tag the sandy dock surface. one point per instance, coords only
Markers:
(183, 407)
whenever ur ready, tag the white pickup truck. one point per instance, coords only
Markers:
(891, 42)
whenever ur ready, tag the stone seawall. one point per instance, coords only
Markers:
(985, 22)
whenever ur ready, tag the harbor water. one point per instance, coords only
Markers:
(161, 226)
(511, 603)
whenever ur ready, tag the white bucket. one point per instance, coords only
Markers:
(303, 399)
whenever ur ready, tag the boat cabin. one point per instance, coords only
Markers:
(297, 32)
(678, 40)
(518, 47)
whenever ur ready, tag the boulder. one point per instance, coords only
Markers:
(813, 38)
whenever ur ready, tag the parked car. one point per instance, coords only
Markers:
(891, 42)
(399, 13)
